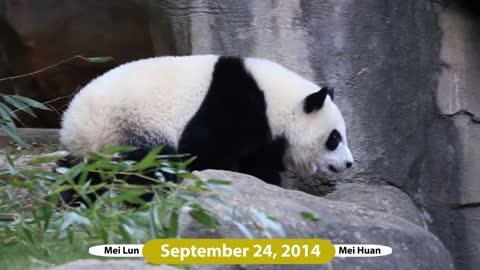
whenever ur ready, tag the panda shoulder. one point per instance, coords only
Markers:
(274, 76)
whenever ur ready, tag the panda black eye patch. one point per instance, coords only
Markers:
(333, 140)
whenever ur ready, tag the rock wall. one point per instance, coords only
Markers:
(452, 192)
(405, 74)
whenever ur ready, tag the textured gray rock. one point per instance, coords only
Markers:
(315, 184)
(111, 265)
(457, 92)
(386, 199)
(452, 192)
(414, 247)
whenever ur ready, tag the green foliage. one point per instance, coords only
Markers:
(9, 105)
(308, 216)
(47, 227)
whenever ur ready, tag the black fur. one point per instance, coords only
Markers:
(135, 135)
(333, 140)
(314, 102)
(330, 92)
(230, 131)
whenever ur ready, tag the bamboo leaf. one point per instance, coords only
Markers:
(243, 229)
(74, 218)
(4, 122)
(7, 113)
(31, 102)
(204, 217)
(218, 182)
(47, 158)
(172, 231)
(132, 196)
(11, 132)
(308, 216)
(19, 105)
(148, 161)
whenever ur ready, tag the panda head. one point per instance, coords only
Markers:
(317, 136)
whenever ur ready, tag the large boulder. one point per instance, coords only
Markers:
(250, 200)
(379, 198)
(252, 208)
(111, 265)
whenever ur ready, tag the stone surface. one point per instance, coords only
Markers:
(452, 195)
(385, 199)
(32, 136)
(457, 91)
(119, 264)
(250, 199)
(315, 184)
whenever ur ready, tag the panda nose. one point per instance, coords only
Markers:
(348, 164)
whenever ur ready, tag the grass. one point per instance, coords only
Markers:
(49, 233)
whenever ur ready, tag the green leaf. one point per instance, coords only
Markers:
(267, 223)
(28, 234)
(7, 113)
(19, 105)
(98, 156)
(172, 231)
(32, 103)
(4, 122)
(218, 182)
(47, 158)
(99, 60)
(152, 223)
(74, 218)
(75, 171)
(203, 217)
(243, 229)
(130, 196)
(11, 132)
(308, 216)
(148, 161)
(125, 231)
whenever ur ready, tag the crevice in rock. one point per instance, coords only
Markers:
(473, 117)
(467, 205)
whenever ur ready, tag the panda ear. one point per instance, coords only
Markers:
(330, 92)
(314, 102)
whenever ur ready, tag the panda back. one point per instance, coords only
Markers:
(152, 99)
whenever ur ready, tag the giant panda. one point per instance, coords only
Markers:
(247, 115)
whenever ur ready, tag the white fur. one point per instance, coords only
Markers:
(307, 133)
(160, 93)
(163, 93)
